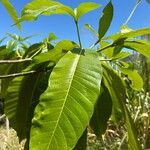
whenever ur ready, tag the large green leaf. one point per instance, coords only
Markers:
(102, 112)
(84, 8)
(45, 7)
(11, 11)
(140, 46)
(117, 90)
(133, 75)
(105, 20)
(66, 106)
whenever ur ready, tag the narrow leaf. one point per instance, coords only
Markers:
(11, 11)
(117, 91)
(105, 20)
(67, 105)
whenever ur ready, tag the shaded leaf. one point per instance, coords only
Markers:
(133, 75)
(66, 106)
(105, 20)
(102, 112)
(20, 101)
(117, 90)
(140, 46)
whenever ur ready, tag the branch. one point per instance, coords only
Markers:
(14, 61)
(23, 73)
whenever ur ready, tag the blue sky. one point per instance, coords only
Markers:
(63, 26)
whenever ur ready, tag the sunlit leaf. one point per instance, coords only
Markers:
(130, 34)
(84, 8)
(66, 106)
(45, 7)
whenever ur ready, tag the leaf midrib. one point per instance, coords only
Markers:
(74, 64)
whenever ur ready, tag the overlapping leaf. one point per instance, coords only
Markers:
(45, 7)
(66, 106)
(102, 112)
(117, 90)
(140, 46)
(133, 75)
(20, 102)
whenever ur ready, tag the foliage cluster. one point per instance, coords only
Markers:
(53, 93)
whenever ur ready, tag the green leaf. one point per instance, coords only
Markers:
(45, 7)
(132, 132)
(34, 50)
(133, 75)
(102, 112)
(140, 46)
(129, 34)
(84, 8)
(20, 101)
(105, 20)
(67, 105)
(56, 53)
(11, 11)
(117, 90)
(114, 52)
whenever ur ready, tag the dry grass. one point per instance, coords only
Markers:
(9, 140)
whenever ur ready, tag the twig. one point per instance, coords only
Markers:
(14, 61)
(23, 73)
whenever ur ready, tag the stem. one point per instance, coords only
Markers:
(78, 33)
(108, 46)
(17, 74)
(132, 12)
(14, 61)
(24, 73)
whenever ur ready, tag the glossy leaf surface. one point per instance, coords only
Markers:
(66, 106)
